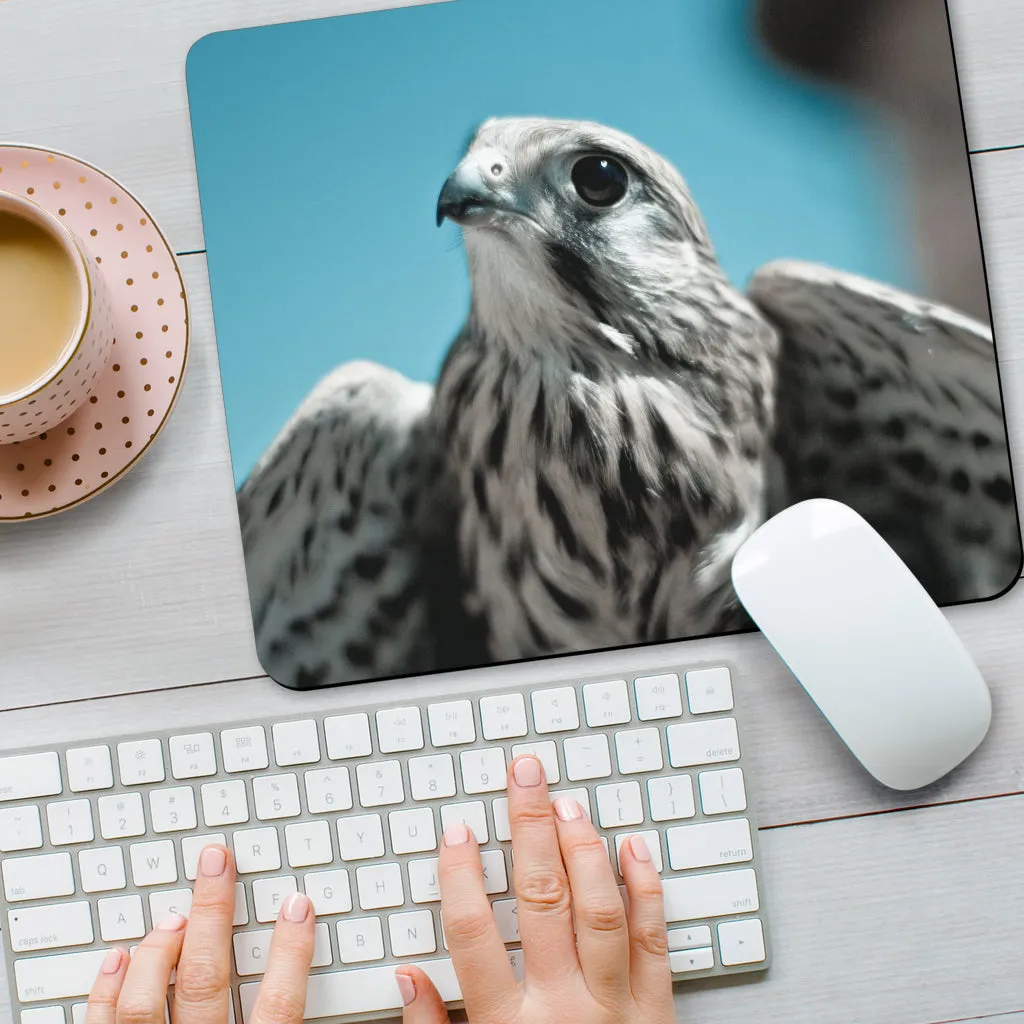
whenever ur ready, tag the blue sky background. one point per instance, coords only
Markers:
(322, 146)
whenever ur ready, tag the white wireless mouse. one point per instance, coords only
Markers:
(866, 642)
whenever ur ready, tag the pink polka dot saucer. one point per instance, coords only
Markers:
(110, 433)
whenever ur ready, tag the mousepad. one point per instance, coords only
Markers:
(529, 312)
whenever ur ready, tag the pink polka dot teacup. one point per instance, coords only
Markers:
(56, 321)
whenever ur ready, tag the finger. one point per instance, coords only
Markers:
(649, 975)
(143, 998)
(204, 969)
(423, 1004)
(102, 1005)
(489, 989)
(539, 879)
(282, 995)
(602, 939)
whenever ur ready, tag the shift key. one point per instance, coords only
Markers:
(64, 976)
(695, 897)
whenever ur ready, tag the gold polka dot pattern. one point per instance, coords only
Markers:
(106, 437)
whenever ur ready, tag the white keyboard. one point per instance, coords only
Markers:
(99, 842)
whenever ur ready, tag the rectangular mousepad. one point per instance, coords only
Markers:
(529, 312)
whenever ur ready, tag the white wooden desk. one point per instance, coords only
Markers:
(132, 610)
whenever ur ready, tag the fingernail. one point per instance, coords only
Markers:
(527, 772)
(568, 809)
(296, 907)
(406, 988)
(174, 923)
(212, 862)
(112, 962)
(456, 834)
(638, 845)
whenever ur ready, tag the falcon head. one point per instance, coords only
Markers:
(571, 215)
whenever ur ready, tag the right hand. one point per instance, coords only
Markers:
(613, 970)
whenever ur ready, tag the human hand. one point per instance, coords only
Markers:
(133, 990)
(616, 968)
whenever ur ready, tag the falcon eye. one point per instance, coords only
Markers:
(600, 180)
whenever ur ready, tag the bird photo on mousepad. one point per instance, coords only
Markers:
(530, 312)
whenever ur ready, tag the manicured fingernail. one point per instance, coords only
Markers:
(456, 834)
(406, 988)
(296, 907)
(174, 923)
(112, 961)
(527, 772)
(212, 862)
(568, 809)
(638, 846)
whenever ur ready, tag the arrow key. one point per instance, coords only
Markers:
(689, 960)
(741, 942)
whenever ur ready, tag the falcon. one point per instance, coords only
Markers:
(612, 422)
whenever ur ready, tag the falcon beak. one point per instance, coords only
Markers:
(468, 200)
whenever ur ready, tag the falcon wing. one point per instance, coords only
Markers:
(333, 560)
(892, 405)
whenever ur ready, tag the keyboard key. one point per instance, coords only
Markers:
(192, 756)
(328, 789)
(658, 697)
(722, 792)
(296, 743)
(37, 878)
(412, 831)
(502, 829)
(121, 918)
(451, 723)
(140, 762)
(709, 690)
(69, 821)
(432, 777)
(153, 863)
(606, 703)
(329, 890)
(741, 942)
(268, 894)
(78, 1012)
(471, 814)
(244, 750)
(101, 870)
(380, 783)
(581, 796)
(555, 710)
(691, 960)
(224, 803)
(359, 940)
(653, 840)
(693, 897)
(412, 934)
(167, 902)
(193, 846)
(360, 837)
(64, 924)
(689, 938)
(61, 976)
(276, 796)
(89, 769)
(121, 816)
(638, 750)
(546, 752)
(241, 915)
(495, 873)
(29, 775)
(172, 810)
(619, 804)
(423, 884)
(697, 743)
(348, 736)
(399, 729)
(671, 798)
(44, 1015)
(20, 829)
(503, 717)
(709, 844)
(483, 771)
(507, 919)
(308, 843)
(587, 757)
(379, 885)
(256, 849)
(251, 951)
